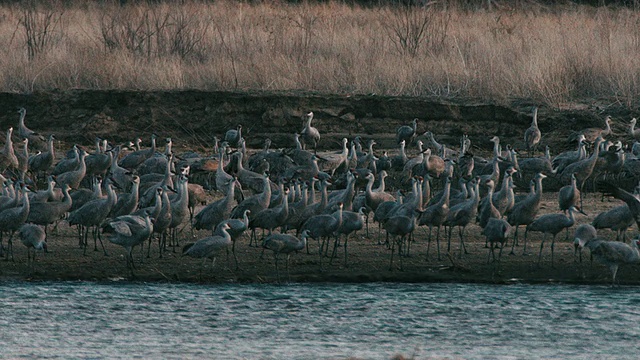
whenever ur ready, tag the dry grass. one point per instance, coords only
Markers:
(549, 54)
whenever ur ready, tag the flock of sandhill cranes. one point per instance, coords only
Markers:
(145, 194)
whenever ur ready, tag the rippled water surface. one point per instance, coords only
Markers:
(303, 321)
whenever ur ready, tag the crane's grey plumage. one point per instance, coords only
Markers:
(532, 135)
(92, 214)
(233, 136)
(34, 238)
(551, 224)
(309, 134)
(618, 219)
(13, 218)
(237, 227)
(135, 158)
(407, 132)
(127, 203)
(351, 222)
(69, 163)
(284, 244)
(45, 213)
(322, 227)
(128, 231)
(42, 162)
(497, 231)
(25, 133)
(463, 214)
(613, 254)
(584, 234)
(74, 177)
(525, 212)
(209, 247)
(8, 158)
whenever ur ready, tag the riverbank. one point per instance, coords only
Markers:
(367, 261)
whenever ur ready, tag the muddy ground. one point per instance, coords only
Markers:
(192, 118)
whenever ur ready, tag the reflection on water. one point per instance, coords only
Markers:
(309, 321)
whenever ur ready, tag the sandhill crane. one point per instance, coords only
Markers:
(120, 176)
(525, 212)
(351, 222)
(462, 214)
(569, 196)
(541, 164)
(582, 169)
(618, 219)
(309, 134)
(74, 177)
(99, 162)
(13, 218)
(69, 163)
(465, 165)
(504, 199)
(162, 223)
(34, 238)
(45, 213)
(158, 162)
(398, 161)
(496, 231)
(23, 161)
(407, 132)
(322, 227)
(407, 170)
(209, 247)
(51, 193)
(42, 162)
(92, 214)
(400, 227)
(384, 211)
(633, 131)
(135, 158)
(25, 133)
(127, 203)
(8, 159)
(297, 219)
(551, 224)
(255, 203)
(585, 233)
(285, 244)
(532, 135)
(233, 136)
(179, 208)
(436, 215)
(374, 198)
(488, 210)
(613, 254)
(632, 200)
(83, 195)
(237, 227)
(128, 231)
(271, 218)
(591, 134)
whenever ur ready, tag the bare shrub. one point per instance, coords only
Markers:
(155, 30)
(414, 26)
(41, 25)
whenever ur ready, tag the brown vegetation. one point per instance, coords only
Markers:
(548, 53)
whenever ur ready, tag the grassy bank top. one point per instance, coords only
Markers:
(548, 53)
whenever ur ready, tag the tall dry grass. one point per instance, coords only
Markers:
(549, 54)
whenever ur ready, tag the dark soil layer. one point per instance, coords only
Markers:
(192, 118)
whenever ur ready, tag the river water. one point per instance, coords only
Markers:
(312, 321)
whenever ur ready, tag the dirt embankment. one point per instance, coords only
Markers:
(193, 118)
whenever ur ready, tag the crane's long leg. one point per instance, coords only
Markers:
(462, 246)
(429, 242)
(515, 240)
(541, 246)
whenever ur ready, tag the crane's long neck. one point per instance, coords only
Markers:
(369, 188)
(8, 145)
(381, 185)
(445, 196)
(496, 148)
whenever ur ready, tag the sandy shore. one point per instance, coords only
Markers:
(367, 261)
